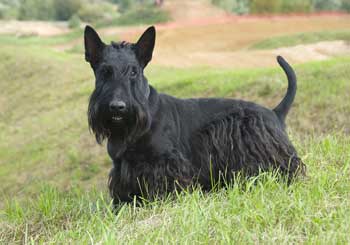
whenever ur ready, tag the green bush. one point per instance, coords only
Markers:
(296, 6)
(36, 9)
(48, 9)
(325, 5)
(12, 3)
(96, 11)
(65, 9)
(9, 9)
(345, 5)
(3, 11)
(225, 4)
(89, 14)
(235, 6)
(74, 22)
(86, 10)
(142, 14)
(265, 6)
(124, 5)
(240, 6)
(281, 6)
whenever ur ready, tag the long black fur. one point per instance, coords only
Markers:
(161, 143)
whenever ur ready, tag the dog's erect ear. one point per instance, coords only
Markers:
(93, 46)
(145, 46)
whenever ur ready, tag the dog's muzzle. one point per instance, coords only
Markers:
(117, 109)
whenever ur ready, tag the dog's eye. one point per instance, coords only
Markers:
(106, 71)
(133, 72)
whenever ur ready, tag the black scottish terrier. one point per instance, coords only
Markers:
(159, 143)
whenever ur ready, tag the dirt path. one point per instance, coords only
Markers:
(224, 42)
(258, 58)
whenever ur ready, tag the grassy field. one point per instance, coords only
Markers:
(301, 38)
(53, 175)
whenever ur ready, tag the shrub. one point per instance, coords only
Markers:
(281, 6)
(241, 6)
(296, 6)
(346, 5)
(3, 11)
(265, 6)
(140, 14)
(143, 15)
(9, 9)
(225, 4)
(124, 5)
(88, 13)
(235, 6)
(74, 21)
(36, 9)
(327, 4)
(48, 9)
(64, 9)
(96, 11)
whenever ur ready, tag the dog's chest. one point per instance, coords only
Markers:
(142, 152)
(134, 155)
(147, 152)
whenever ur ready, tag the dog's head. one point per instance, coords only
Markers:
(119, 105)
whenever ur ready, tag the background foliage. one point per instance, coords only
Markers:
(74, 11)
(107, 10)
(282, 6)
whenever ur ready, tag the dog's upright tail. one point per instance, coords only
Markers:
(283, 107)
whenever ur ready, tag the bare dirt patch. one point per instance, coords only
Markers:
(224, 42)
(317, 51)
(259, 58)
(202, 34)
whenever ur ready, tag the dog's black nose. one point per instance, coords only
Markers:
(117, 106)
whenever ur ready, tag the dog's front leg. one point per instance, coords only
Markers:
(149, 179)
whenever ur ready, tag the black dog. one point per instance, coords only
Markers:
(159, 143)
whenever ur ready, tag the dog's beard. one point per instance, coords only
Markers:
(98, 122)
(131, 127)
(141, 123)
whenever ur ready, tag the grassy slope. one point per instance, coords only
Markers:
(301, 38)
(45, 149)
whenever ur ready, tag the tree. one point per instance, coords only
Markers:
(36, 9)
(66, 8)
(327, 4)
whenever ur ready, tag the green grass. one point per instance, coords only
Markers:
(301, 38)
(53, 175)
(261, 210)
(39, 40)
(141, 15)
